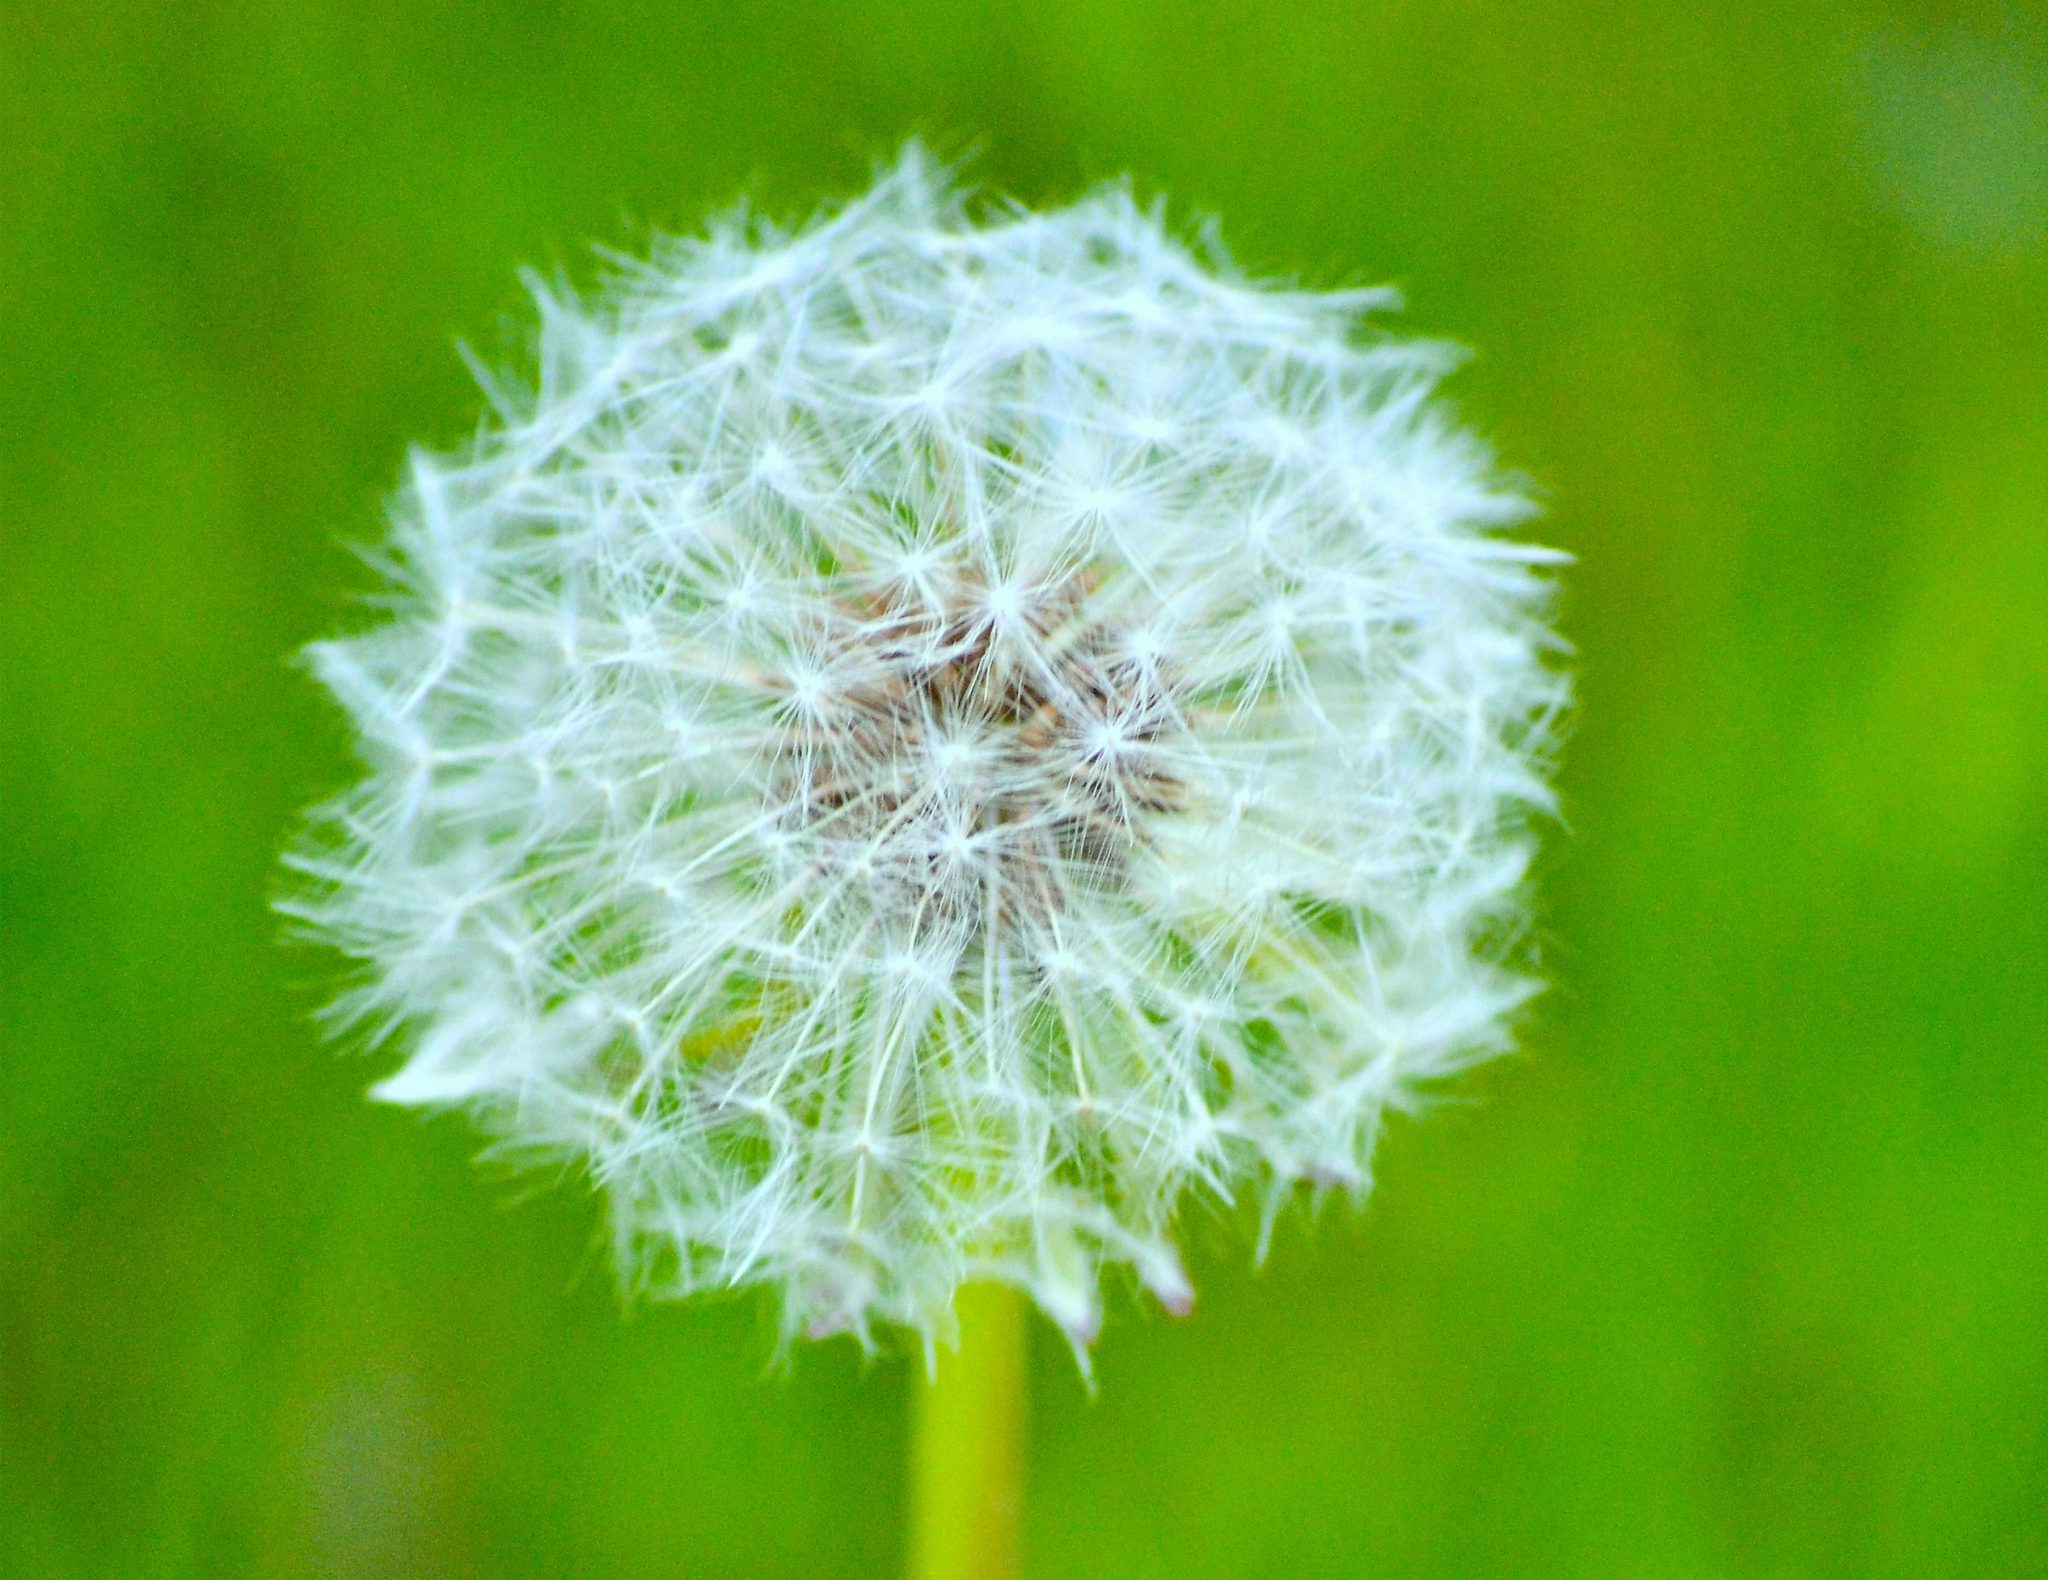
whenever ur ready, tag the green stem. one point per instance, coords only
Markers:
(967, 1449)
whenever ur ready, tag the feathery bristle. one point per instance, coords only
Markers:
(922, 742)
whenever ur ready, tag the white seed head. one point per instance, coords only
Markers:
(922, 743)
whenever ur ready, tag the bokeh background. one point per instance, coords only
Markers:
(1739, 1269)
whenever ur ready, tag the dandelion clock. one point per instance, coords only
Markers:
(922, 748)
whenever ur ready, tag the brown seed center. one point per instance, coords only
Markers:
(976, 757)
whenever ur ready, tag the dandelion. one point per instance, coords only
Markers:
(923, 744)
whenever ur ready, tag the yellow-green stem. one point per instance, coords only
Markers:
(967, 1446)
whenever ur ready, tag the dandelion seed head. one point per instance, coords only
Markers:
(927, 742)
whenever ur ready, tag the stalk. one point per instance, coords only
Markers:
(967, 1446)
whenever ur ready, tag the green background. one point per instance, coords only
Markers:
(1739, 1269)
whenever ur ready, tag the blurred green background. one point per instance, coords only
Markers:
(1740, 1269)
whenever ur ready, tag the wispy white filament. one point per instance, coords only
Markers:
(921, 744)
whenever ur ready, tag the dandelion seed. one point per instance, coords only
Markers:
(926, 742)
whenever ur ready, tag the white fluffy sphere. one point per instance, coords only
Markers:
(924, 743)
